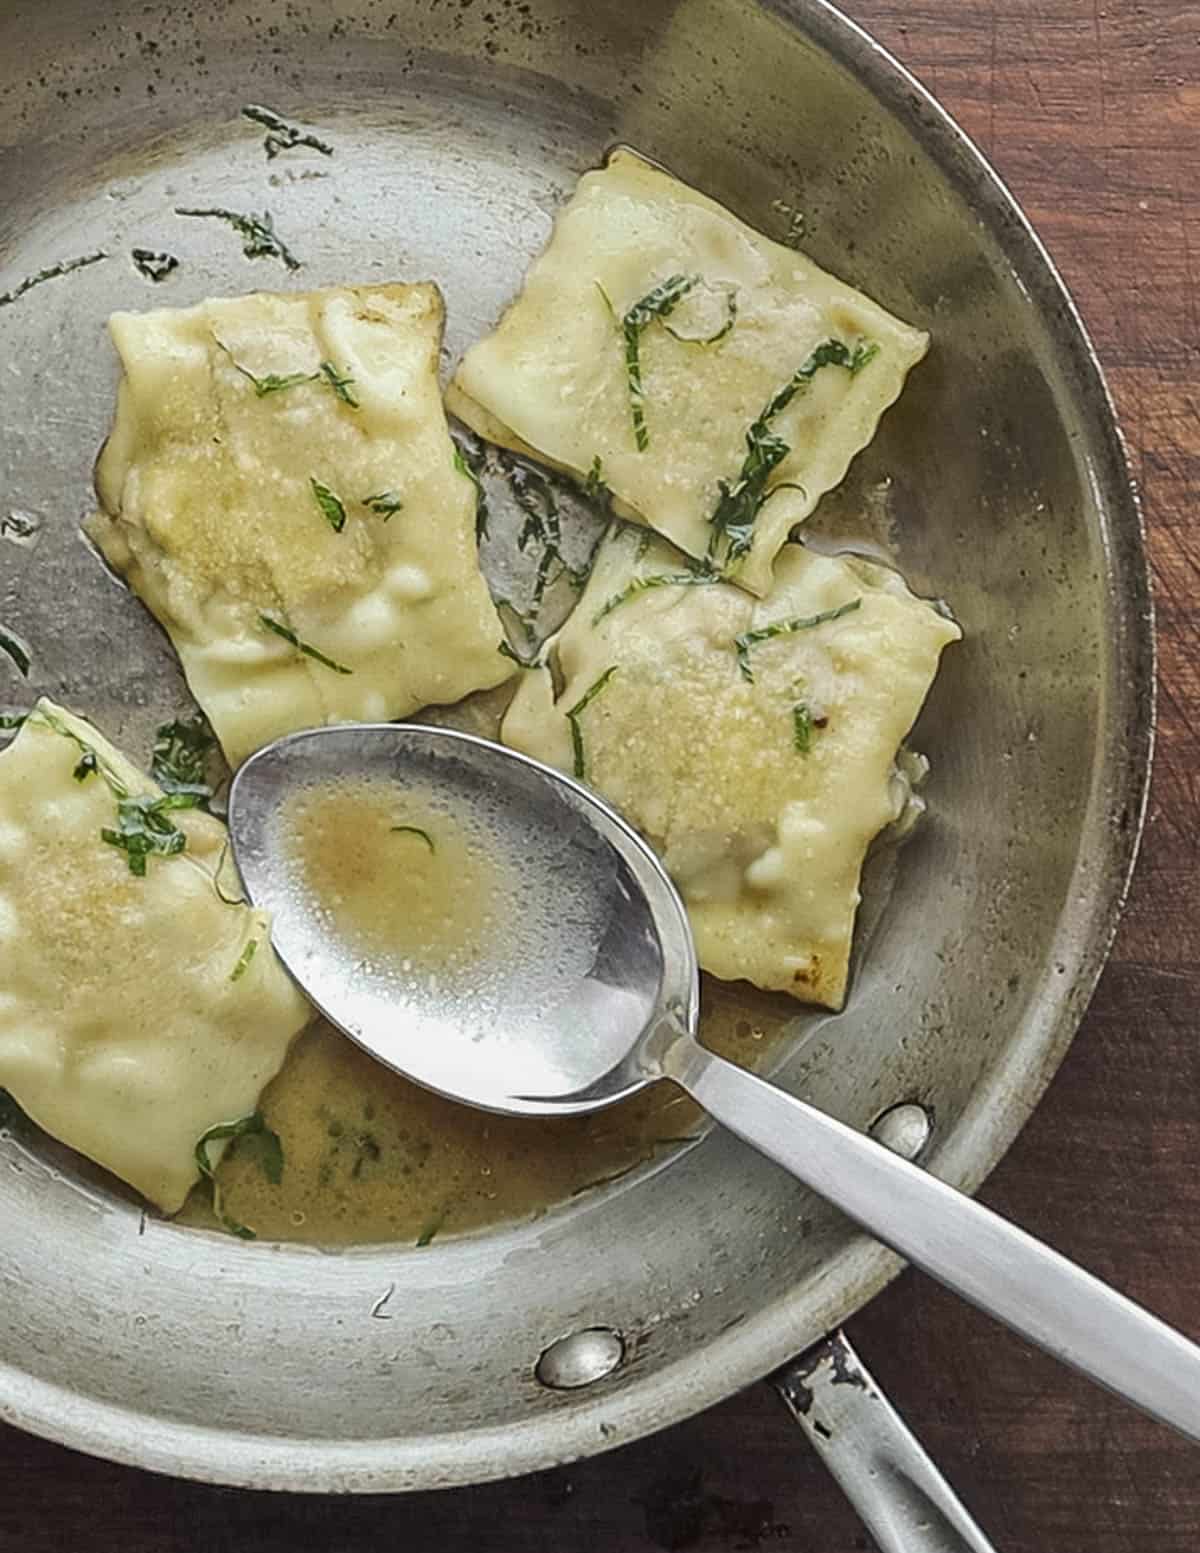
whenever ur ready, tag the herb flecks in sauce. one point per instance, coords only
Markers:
(414, 830)
(282, 136)
(289, 636)
(272, 1163)
(51, 272)
(259, 237)
(153, 265)
(750, 639)
(576, 712)
(741, 500)
(329, 504)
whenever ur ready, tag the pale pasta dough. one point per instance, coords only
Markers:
(133, 1015)
(553, 378)
(280, 477)
(753, 743)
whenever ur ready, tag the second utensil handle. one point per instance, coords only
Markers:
(962, 1244)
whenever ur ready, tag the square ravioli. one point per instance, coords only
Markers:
(280, 488)
(134, 1013)
(753, 743)
(718, 382)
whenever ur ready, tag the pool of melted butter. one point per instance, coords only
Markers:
(371, 1157)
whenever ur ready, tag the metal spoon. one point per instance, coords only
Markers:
(606, 1002)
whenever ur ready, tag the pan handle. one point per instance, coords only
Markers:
(903, 1500)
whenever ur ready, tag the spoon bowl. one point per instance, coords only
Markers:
(601, 998)
(588, 952)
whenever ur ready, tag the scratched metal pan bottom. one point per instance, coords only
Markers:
(458, 130)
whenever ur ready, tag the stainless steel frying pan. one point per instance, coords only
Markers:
(998, 480)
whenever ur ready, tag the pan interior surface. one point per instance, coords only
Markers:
(997, 481)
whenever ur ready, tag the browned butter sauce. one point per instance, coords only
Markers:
(369, 1156)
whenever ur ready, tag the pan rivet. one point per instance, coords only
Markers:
(903, 1128)
(580, 1359)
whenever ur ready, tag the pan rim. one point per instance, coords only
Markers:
(1086, 929)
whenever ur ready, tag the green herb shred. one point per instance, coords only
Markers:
(385, 504)
(16, 651)
(88, 765)
(729, 296)
(659, 303)
(271, 1160)
(11, 721)
(431, 1228)
(802, 728)
(339, 384)
(272, 382)
(594, 487)
(740, 502)
(290, 637)
(329, 503)
(576, 712)
(51, 272)
(646, 584)
(145, 828)
(414, 830)
(471, 461)
(179, 762)
(749, 639)
(259, 237)
(18, 526)
(243, 960)
(282, 136)
(49, 719)
(154, 266)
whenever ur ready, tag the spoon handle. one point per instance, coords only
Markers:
(964, 1245)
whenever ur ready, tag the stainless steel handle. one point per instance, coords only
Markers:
(971, 1250)
(903, 1500)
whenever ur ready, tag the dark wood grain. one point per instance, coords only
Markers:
(1093, 115)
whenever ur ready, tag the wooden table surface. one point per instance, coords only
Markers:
(1091, 111)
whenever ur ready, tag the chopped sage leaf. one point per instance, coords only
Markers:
(802, 728)
(749, 639)
(154, 266)
(282, 136)
(471, 460)
(16, 651)
(594, 487)
(574, 715)
(51, 272)
(115, 785)
(11, 721)
(710, 323)
(330, 504)
(272, 382)
(88, 766)
(19, 526)
(431, 1228)
(741, 500)
(243, 960)
(414, 830)
(272, 1163)
(259, 237)
(290, 636)
(659, 303)
(339, 384)
(179, 762)
(645, 584)
(145, 828)
(385, 503)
